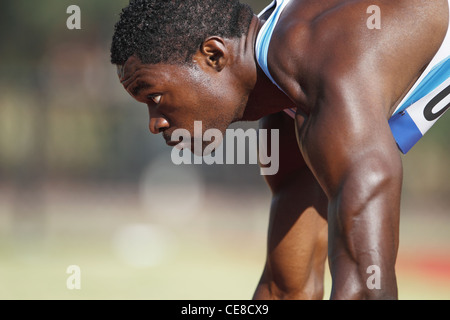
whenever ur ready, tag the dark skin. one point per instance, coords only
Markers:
(337, 193)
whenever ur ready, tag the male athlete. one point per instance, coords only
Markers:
(346, 98)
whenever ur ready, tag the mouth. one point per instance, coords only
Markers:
(172, 143)
(169, 141)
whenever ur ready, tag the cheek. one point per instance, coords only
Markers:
(214, 107)
(217, 111)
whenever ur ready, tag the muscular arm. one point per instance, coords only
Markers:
(297, 235)
(348, 79)
(348, 145)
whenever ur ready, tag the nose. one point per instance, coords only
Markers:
(158, 124)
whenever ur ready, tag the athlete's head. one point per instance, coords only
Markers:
(180, 58)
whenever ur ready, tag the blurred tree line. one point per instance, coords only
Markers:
(64, 115)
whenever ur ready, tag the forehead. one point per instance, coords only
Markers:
(133, 70)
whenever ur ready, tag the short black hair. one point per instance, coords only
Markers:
(161, 31)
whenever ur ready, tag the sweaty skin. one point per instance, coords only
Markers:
(337, 193)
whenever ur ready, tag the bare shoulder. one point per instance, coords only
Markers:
(386, 43)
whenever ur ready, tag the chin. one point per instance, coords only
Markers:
(201, 140)
(205, 148)
(204, 145)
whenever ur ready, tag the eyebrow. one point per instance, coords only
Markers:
(140, 86)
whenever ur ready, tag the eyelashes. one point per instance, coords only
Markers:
(156, 98)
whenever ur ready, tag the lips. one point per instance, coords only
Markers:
(172, 143)
(178, 141)
(169, 141)
(167, 136)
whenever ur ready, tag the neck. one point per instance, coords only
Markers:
(265, 97)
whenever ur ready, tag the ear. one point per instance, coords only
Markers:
(215, 53)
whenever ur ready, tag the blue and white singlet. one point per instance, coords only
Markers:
(423, 105)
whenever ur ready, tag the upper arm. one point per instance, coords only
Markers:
(347, 141)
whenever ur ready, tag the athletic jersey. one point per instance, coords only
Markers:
(426, 102)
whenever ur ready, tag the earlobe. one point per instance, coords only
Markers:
(215, 52)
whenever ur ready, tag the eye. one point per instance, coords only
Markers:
(156, 98)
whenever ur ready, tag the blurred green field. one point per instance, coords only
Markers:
(75, 148)
(216, 254)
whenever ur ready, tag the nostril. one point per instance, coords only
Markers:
(161, 130)
(158, 125)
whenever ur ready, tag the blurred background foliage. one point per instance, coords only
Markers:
(64, 115)
(67, 124)
(63, 112)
